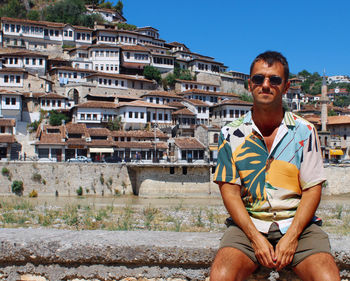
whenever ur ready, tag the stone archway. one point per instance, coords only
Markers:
(73, 95)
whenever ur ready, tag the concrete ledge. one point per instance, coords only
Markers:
(113, 255)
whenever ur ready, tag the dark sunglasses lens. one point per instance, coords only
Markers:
(258, 79)
(275, 80)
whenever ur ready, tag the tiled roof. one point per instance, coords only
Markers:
(13, 69)
(183, 111)
(139, 134)
(7, 122)
(176, 104)
(233, 102)
(7, 139)
(140, 144)
(98, 132)
(97, 104)
(73, 128)
(7, 92)
(188, 143)
(134, 65)
(52, 96)
(69, 68)
(197, 91)
(99, 143)
(23, 54)
(134, 48)
(197, 83)
(147, 27)
(162, 94)
(76, 142)
(338, 120)
(140, 103)
(196, 102)
(120, 76)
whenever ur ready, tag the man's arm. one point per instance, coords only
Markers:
(231, 195)
(287, 245)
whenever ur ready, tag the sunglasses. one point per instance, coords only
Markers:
(259, 79)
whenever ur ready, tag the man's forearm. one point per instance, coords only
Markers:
(231, 195)
(309, 201)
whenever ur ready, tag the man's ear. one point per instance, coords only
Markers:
(286, 87)
(249, 87)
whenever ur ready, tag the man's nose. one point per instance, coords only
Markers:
(266, 83)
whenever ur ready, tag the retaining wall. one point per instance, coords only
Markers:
(167, 180)
(43, 254)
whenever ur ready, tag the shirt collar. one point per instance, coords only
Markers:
(288, 118)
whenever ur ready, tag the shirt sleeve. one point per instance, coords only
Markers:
(311, 168)
(225, 169)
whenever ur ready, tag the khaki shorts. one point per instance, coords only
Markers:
(311, 241)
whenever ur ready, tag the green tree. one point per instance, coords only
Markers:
(169, 80)
(106, 5)
(246, 97)
(115, 125)
(119, 7)
(152, 73)
(304, 73)
(331, 112)
(185, 74)
(33, 15)
(17, 187)
(55, 118)
(13, 9)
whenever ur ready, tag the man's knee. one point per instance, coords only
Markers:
(231, 264)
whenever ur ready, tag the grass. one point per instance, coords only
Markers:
(23, 212)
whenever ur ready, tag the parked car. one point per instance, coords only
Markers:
(345, 161)
(47, 160)
(113, 159)
(80, 159)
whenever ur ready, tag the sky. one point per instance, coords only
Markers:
(312, 34)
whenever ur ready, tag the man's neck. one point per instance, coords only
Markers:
(267, 120)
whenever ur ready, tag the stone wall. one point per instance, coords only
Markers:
(48, 254)
(65, 178)
(133, 178)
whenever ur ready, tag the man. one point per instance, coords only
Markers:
(270, 173)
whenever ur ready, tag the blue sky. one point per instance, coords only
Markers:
(312, 34)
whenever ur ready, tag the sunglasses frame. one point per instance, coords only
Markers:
(273, 82)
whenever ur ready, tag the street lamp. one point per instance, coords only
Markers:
(155, 126)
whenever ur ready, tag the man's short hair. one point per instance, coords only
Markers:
(270, 57)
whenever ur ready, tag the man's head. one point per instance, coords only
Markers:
(271, 57)
(269, 80)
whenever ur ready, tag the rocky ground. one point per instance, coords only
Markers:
(22, 212)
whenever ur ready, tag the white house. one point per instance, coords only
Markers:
(200, 109)
(229, 110)
(11, 104)
(186, 85)
(161, 97)
(52, 101)
(94, 113)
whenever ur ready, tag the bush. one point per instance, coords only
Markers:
(33, 194)
(17, 187)
(36, 177)
(152, 73)
(5, 172)
(56, 118)
(79, 191)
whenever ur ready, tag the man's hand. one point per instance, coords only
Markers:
(285, 250)
(264, 251)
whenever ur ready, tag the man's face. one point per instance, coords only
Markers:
(268, 93)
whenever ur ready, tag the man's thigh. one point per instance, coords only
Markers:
(312, 240)
(234, 237)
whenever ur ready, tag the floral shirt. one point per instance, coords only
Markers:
(271, 182)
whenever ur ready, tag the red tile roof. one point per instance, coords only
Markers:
(134, 48)
(196, 102)
(338, 120)
(23, 54)
(188, 143)
(98, 132)
(233, 102)
(140, 144)
(197, 91)
(7, 139)
(7, 122)
(97, 104)
(183, 111)
(176, 104)
(140, 103)
(162, 94)
(139, 134)
(73, 128)
(52, 96)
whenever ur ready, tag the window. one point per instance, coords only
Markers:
(82, 116)
(130, 114)
(154, 116)
(216, 138)
(59, 103)
(56, 33)
(127, 55)
(88, 116)
(136, 115)
(142, 115)
(27, 60)
(94, 116)
(7, 101)
(18, 79)
(172, 170)
(6, 78)
(40, 61)
(160, 116)
(122, 83)
(33, 61)
(165, 116)
(53, 102)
